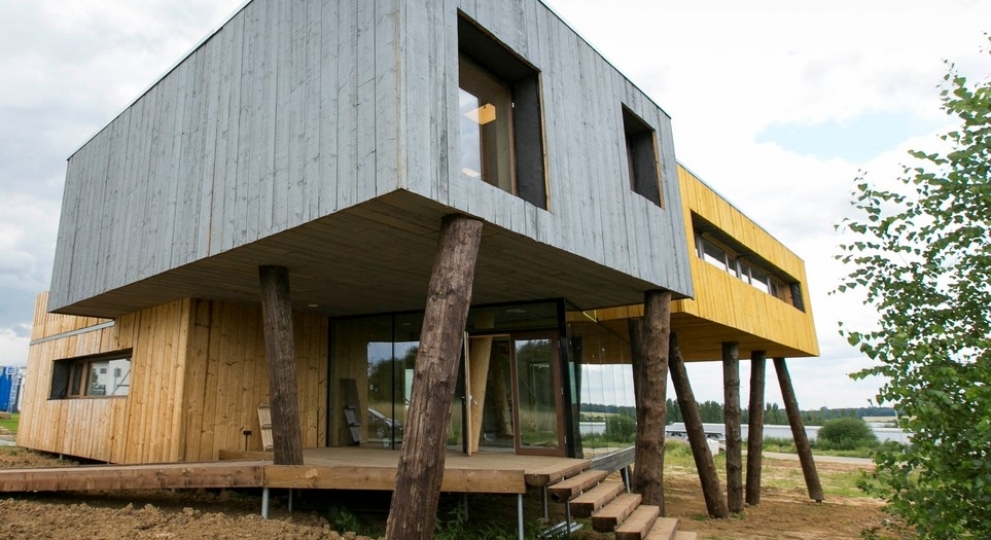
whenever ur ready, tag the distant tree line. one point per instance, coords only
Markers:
(712, 412)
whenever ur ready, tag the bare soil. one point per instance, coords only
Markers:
(784, 512)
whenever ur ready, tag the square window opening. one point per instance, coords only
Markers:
(641, 157)
(501, 129)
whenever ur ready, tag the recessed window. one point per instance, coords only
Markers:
(502, 140)
(486, 126)
(739, 264)
(641, 157)
(107, 375)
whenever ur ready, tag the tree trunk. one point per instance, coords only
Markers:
(652, 372)
(713, 495)
(280, 350)
(734, 450)
(755, 427)
(421, 461)
(798, 431)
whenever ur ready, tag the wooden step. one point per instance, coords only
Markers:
(682, 535)
(585, 504)
(612, 514)
(569, 487)
(663, 529)
(639, 523)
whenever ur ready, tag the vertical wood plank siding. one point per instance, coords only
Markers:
(288, 113)
(293, 111)
(197, 377)
(726, 300)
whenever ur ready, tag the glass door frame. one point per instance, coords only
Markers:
(561, 449)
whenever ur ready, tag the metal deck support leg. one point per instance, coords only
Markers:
(264, 503)
(625, 472)
(567, 517)
(543, 492)
(464, 500)
(290, 500)
(519, 513)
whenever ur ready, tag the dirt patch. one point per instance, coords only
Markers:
(784, 513)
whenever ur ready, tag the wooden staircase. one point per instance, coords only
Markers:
(589, 494)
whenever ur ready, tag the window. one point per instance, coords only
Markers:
(641, 157)
(486, 126)
(502, 140)
(107, 375)
(731, 260)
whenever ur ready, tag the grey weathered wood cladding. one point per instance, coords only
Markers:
(293, 111)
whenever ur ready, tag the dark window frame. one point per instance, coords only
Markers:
(528, 162)
(72, 378)
(642, 163)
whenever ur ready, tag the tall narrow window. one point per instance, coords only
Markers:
(486, 126)
(502, 140)
(641, 157)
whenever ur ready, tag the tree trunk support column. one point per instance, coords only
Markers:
(421, 461)
(734, 450)
(798, 431)
(713, 495)
(280, 350)
(755, 426)
(651, 368)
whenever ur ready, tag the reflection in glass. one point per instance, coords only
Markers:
(484, 103)
(538, 390)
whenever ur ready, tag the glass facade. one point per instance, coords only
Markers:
(602, 386)
(534, 379)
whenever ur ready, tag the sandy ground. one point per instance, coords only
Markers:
(784, 513)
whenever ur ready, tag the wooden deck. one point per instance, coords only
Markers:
(324, 468)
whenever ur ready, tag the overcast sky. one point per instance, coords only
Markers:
(776, 104)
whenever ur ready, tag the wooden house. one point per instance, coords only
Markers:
(331, 137)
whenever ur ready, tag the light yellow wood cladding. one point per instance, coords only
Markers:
(227, 378)
(726, 308)
(198, 373)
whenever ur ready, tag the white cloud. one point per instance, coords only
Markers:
(725, 71)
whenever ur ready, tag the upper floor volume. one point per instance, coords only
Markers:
(330, 136)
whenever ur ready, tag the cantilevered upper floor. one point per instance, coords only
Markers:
(331, 136)
(749, 288)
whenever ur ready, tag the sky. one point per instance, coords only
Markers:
(778, 105)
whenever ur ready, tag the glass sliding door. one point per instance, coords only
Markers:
(539, 404)
(516, 401)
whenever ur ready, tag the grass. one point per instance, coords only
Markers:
(11, 423)
(836, 482)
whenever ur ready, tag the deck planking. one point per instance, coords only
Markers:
(366, 469)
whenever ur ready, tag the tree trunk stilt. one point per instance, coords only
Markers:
(421, 461)
(280, 350)
(755, 426)
(714, 502)
(734, 450)
(652, 371)
(798, 431)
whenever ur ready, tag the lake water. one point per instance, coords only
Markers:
(778, 432)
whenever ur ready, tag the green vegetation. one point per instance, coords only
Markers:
(10, 424)
(921, 257)
(845, 434)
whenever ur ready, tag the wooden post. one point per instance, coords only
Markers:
(798, 431)
(755, 426)
(421, 461)
(731, 407)
(280, 350)
(714, 502)
(652, 369)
